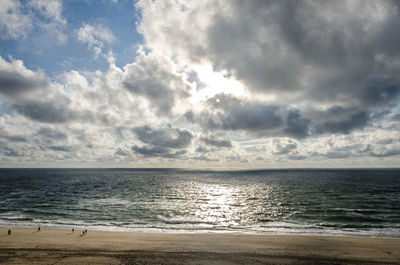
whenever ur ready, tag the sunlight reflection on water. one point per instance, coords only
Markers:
(227, 206)
(176, 200)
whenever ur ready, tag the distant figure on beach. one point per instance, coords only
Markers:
(73, 230)
(9, 231)
(84, 232)
(38, 228)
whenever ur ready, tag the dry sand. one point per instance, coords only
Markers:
(56, 246)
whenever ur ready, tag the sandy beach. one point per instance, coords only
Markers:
(57, 246)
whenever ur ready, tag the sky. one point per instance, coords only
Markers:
(200, 84)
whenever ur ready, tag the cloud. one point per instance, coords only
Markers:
(61, 148)
(14, 22)
(121, 152)
(202, 149)
(386, 152)
(50, 133)
(8, 151)
(45, 111)
(297, 157)
(205, 158)
(231, 113)
(51, 9)
(283, 147)
(11, 137)
(237, 158)
(20, 18)
(49, 19)
(155, 79)
(15, 79)
(31, 94)
(227, 112)
(214, 141)
(340, 120)
(337, 155)
(298, 53)
(157, 151)
(96, 37)
(296, 126)
(168, 137)
(275, 83)
(162, 142)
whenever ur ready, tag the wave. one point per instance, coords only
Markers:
(193, 226)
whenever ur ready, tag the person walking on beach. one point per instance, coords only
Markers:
(9, 231)
(38, 228)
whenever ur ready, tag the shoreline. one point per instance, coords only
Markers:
(273, 231)
(27, 245)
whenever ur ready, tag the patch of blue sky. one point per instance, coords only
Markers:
(43, 50)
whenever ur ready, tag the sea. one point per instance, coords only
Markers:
(362, 202)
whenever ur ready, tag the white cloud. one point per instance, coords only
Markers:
(96, 37)
(51, 9)
(18, 19)
(14, 22)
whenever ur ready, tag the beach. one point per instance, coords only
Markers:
(59, 246)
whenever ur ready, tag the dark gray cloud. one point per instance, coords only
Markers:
(10, 148)
(226, 112)
(44, 111)
(9, 151)
(337, 154)
(284, 147)
(166, 138)
(340, 120)
(62, 148)
(297, 157)
(13, 83)
(202, 149)
(230, 113)
(16, 138)
(149, 78)
(162, 142)
(52, 134)
(157, 151)
(296, 126)
(215, 141)
(396, 117)
(380, 92)
(121, 152)
(29, 94)
(245, 42)
(386, 141)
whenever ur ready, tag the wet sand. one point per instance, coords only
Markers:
(57, 246)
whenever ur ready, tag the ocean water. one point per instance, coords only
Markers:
(357, 202)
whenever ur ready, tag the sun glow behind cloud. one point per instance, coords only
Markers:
(215, 82)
